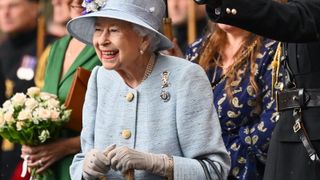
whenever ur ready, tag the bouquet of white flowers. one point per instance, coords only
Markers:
(32, 119)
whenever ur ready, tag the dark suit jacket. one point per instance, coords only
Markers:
(13, 49)
(298, 23)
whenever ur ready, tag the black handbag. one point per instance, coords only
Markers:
(206, 170)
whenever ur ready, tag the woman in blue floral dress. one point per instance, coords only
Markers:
(239, 66)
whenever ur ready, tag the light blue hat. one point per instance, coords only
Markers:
(146, 13)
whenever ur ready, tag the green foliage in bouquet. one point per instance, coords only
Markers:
(33, 118)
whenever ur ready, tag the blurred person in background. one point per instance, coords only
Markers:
(18, 58)
(60, 17)
(2, 99)
(61, 10)
(178, 12)
(65, 56)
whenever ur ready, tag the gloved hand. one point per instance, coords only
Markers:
(124, 158)
(96, 164)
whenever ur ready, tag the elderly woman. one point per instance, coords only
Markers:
(143, 110)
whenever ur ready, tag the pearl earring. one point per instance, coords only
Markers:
(141, 51)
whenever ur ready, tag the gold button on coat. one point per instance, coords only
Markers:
(126, 134)
(129, 96)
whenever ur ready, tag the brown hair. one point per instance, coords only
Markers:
(244, 58)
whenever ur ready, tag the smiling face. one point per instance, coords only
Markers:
(117, 44)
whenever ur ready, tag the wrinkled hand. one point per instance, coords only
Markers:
(124, 158)
(96, 164)
(43, 156)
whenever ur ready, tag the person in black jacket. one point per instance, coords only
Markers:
(178, 12)
(297, 24)
(2, 99)
(18, 59)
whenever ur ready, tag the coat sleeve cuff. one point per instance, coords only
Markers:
(187, 169)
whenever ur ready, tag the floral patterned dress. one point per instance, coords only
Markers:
(247, 123)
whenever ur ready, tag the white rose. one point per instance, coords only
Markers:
(31, 103)
(44, 114)
(53, 103)
(2, 121)
(19, 125)
(45, 134)
(100, 2)
(92, 6)
(18, 99)
(11, 110)
(54, 115)
(24, 114)
(33, 91)
(8, 117)
(7, 105)
(35, 113)
(45, 96)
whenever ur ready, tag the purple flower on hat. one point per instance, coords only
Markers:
(92, 5)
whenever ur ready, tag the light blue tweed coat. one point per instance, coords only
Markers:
(185, 127)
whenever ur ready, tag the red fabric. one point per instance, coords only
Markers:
(17, 172)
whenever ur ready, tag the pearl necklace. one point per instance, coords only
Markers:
(149, 68)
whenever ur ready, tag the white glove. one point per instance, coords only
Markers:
(96, 164)
(124, 158)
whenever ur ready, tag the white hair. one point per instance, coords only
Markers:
(152, 36)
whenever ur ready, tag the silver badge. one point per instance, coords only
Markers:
(27, 68)
(164, 94)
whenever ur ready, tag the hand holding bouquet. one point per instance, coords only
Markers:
(32, 119)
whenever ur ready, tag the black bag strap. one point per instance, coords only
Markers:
(289, 81)
(205, 169)
(300, 130)
(214, 166)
